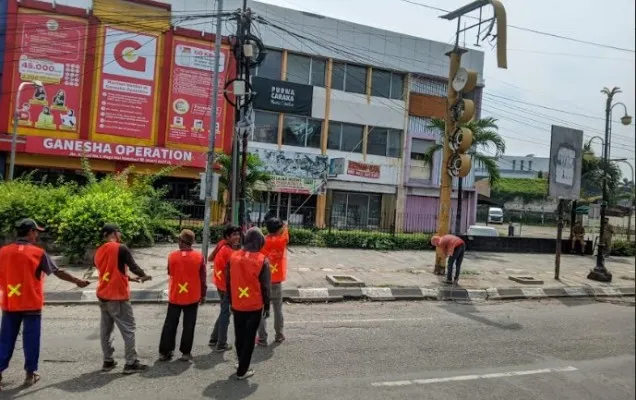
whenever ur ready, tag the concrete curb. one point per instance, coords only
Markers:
(322, 295)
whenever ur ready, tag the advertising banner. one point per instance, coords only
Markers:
(189, 102)
(114, 152)
(282, 96)
(566, 163)
(49, 49)
(127, 87)
(364, 170)
(291, 163)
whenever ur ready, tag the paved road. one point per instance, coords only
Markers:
(418, 350)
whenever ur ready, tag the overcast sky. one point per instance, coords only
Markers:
(541, 70)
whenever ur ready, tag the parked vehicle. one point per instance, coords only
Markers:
(479, 230)
(495, 215)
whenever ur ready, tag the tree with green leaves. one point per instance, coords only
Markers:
(592, 172)
(256, 176)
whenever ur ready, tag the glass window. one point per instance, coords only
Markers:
(271, 66)
(356, 210)
(337, 76)
(314, 131)
(301, 131)
(375, 209)
(356, 79)
(397, 86)
(376, 141)
(352, 138)
(265, 127)
(318, 68)
(381, 83)
(514, 164)
(394, 146)
(298, 68)
(521, 165)
(333, 141)
(529, 165)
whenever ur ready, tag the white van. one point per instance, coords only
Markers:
(495, 215)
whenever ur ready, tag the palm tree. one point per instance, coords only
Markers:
(593, 169)
(485, 138)
(256, 176)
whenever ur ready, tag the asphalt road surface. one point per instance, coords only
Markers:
(417, 350)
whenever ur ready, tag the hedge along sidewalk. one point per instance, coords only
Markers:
(308, 267)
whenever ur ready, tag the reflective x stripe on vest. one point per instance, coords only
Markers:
(273, 268)
(14, 290)
(105, 277)
(244, 292)
(183, 287)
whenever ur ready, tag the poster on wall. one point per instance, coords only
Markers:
(127, 86)
(50, 49)
(363, 170)
(190, 96)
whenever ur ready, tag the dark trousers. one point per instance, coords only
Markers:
(456, 258)
(31, 330)
(169, 332)
(245, 326)
(219, 333)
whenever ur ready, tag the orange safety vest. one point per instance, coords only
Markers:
(113, 284)
(220, 263)
(21, 289)
(184, 287)
(245, 268)
(275, 249)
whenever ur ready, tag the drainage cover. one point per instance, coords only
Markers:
(344, 280)
(527, 280)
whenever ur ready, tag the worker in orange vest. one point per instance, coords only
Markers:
(113, 260)
(248, 286)
(220, 257)
(454, 248)
(186, 290)
(23, 267)
(275, 250)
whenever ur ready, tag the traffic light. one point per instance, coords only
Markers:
(462, 111)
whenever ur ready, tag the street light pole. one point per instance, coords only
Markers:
(16, 117)
(600, 272)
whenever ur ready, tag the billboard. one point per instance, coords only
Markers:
(566, 162)
(127, 86)
(282, 96)
(51, 49)
(189, 100)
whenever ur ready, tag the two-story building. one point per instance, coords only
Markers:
(518, 167)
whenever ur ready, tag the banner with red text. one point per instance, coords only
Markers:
(189, 102)
(50, 49)
(114, 152)
(364, 170)
(127, 85)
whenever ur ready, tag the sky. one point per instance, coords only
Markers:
(542, 71)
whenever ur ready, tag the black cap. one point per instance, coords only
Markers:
(28, 224)
(109, 229)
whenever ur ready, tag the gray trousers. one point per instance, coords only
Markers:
(277, 306)
(118, 313)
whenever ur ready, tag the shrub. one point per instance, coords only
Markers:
(374, 240)
(301, 237)
(622, 248)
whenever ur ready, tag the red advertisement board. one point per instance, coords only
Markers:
(191, 88)
(50, 49)
(364, 170)
(114, 151)
(127, 85)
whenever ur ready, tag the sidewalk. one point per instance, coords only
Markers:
(308, 267)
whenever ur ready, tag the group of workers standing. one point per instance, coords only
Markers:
(248, 278)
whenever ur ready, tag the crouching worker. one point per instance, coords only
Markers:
(248, 281)
(275, 250)
(454, 248)
(186, 290)
(23, 267)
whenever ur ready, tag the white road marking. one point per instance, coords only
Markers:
(475, 377)
(347, 321)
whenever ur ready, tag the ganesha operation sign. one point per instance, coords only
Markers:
(114, 152)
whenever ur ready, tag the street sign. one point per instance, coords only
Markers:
(566, 158)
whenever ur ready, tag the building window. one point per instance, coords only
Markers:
(387, 84)
(305, 70)
(384, 142)
(514, 164)
(345, 137)
(420, 169)
(529, 165)
(350, 78)
(521, 165)
(265, 127)
(271, 66)
(356, 210)
(301, 131)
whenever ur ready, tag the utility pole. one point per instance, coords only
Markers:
(246, 25)
(209, 167)
(457, 140)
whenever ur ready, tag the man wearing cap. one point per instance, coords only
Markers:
(113, 260)
(186, 290)
(23, 267)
